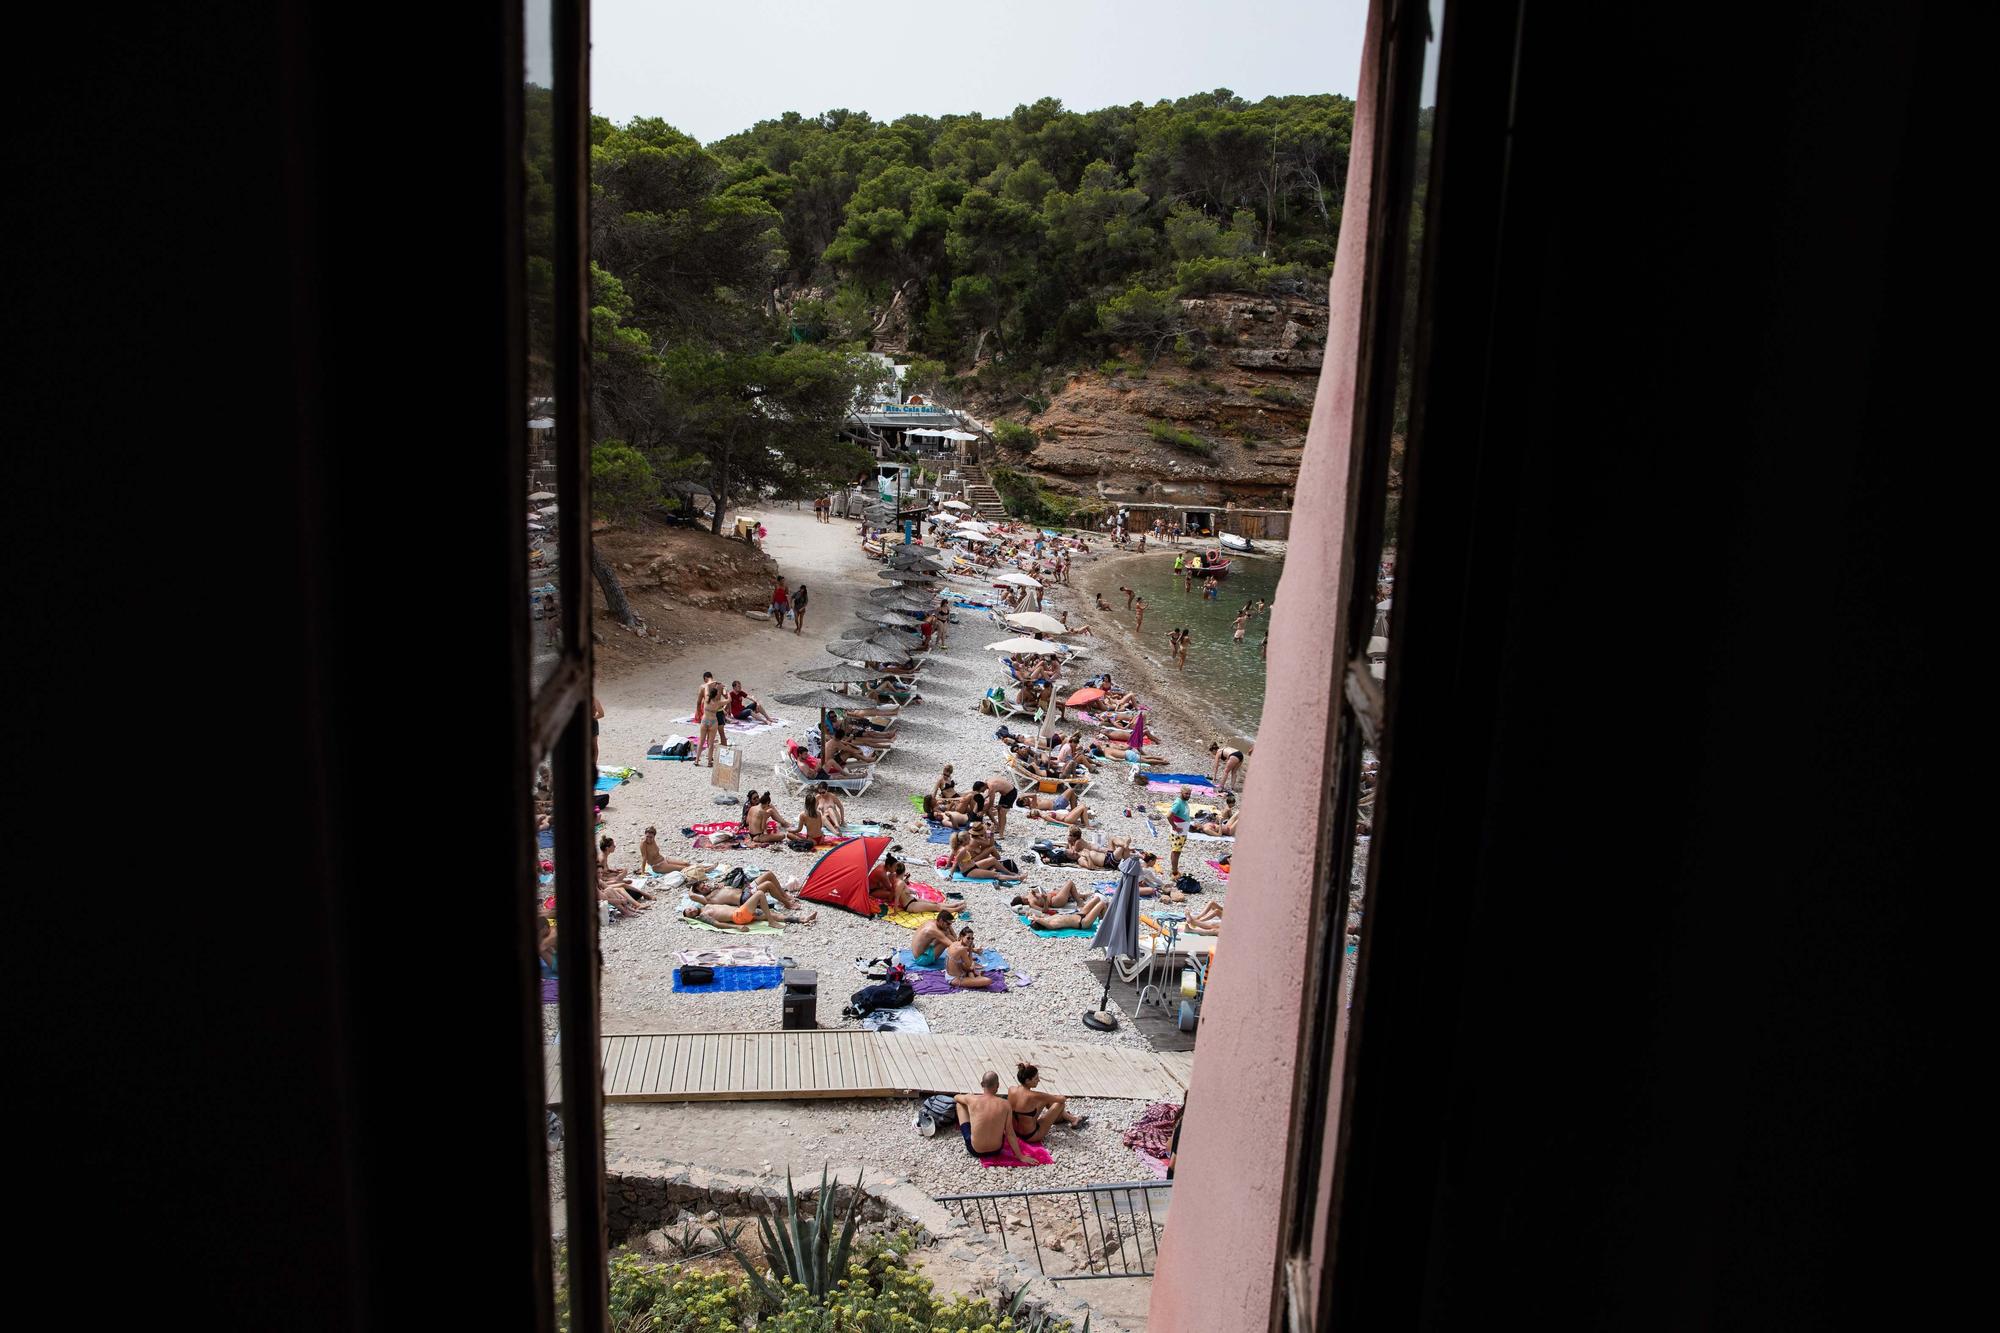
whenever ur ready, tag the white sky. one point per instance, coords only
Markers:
(714, 67)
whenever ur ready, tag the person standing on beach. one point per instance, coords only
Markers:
(1129, 595)
(799, 609)
(596, 715)
(701, 696)
(1178, 815)
(1139, 615)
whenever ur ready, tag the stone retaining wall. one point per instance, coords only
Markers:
(642, 1195)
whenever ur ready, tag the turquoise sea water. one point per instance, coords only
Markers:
(1226, 676)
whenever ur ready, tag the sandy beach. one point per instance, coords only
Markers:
(1049, 988)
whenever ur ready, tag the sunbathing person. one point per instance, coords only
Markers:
(1035, 1113)
(812, 825)
(654, 859)
(1082, 919)
(1223, 825)
(1048, 900)
(972, 863)
(1077, 817)
(610, 874)
(929, 942)
(768, 884)
(961, 963)
(837, 753)
(944, 814)
(1205, 919)
(756, 908)
(889, 884)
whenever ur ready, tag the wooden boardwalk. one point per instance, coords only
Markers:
(783, 1066)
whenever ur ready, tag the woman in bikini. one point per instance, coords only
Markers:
(931, 939)
(948, 815)
(1035, 1113)
(654, 859)
(1048, 900)
(610, 874)
(713, 735)
(1223, 824)
(1228, 763)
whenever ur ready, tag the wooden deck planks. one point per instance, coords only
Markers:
(731, 1066)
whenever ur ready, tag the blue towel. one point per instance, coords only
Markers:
(605, 782)
(990, 959)
(735, 978)
(939, 834)
(1189, 779)
(545, 838)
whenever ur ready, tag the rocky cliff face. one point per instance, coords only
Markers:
(1223, 420)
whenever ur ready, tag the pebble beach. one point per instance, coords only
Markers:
(1049, 988)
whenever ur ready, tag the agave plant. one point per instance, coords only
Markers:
(1042, 1321)
(805, 1252)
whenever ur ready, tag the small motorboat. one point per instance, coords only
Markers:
(1210, 564)
(1235, 543)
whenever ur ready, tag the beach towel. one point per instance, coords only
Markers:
(1210, 837)
(990, 959)
(939, 833)
(1152, 1136)
(1216, 866)
(545, 838)
(658, 749)
(734, 729)
(728, 956)
(1071, 933)
(1033, 1153)
(608, 782)
(548, 990)
(724, 826)
(937, 983)
(916, 799)
(1168, 781)
(734, 978)
(906, 1022)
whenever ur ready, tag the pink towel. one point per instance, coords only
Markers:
(1034, 1153)
(726, 826)
(926, 893)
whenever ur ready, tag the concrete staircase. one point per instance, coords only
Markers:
(979, 492)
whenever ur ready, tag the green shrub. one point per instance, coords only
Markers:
(1024, 498)
(1282, 397)
(621, 480)
(1184, 440)
(1191, 350)
(1011, 435)
(1112, 369)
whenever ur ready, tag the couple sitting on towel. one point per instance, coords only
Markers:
(990, 1123)
(1077, 852)
(1041, 905)
(934, 941)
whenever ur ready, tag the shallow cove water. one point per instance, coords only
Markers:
(1226, 676)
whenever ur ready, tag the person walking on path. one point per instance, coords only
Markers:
(781, 602)
(799, 609)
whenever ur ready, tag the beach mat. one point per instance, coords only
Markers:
(545, 838)
(936, 983)
(1169, 780)
(1071, 933)
(548, 990)
(1035, 1154)
(1216, 866)
(905, 1022)
(939, 834)
(968, 879)
(734, 978)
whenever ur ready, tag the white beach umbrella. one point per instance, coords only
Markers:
(1017, 578)
(1024, 644)
(956, 504)
(1040, 620)
(542, 495)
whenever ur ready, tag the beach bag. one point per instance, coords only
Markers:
(892, 994)
(1188, 884)
(936, 1111)
(800, 844)
(736, 878)
(694, 974)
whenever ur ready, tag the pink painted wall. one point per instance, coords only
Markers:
(1219, 1260)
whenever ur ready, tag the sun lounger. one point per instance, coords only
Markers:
(1078, 786)
(795, 769)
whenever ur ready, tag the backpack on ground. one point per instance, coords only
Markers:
(895, 993)
(935, 1112)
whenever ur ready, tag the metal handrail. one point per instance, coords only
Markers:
(1144, 1243)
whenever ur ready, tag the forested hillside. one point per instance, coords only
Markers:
(1000, 254)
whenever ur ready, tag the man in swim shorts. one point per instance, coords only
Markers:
(985, 1121)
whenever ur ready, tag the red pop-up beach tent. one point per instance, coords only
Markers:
(841, 876)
